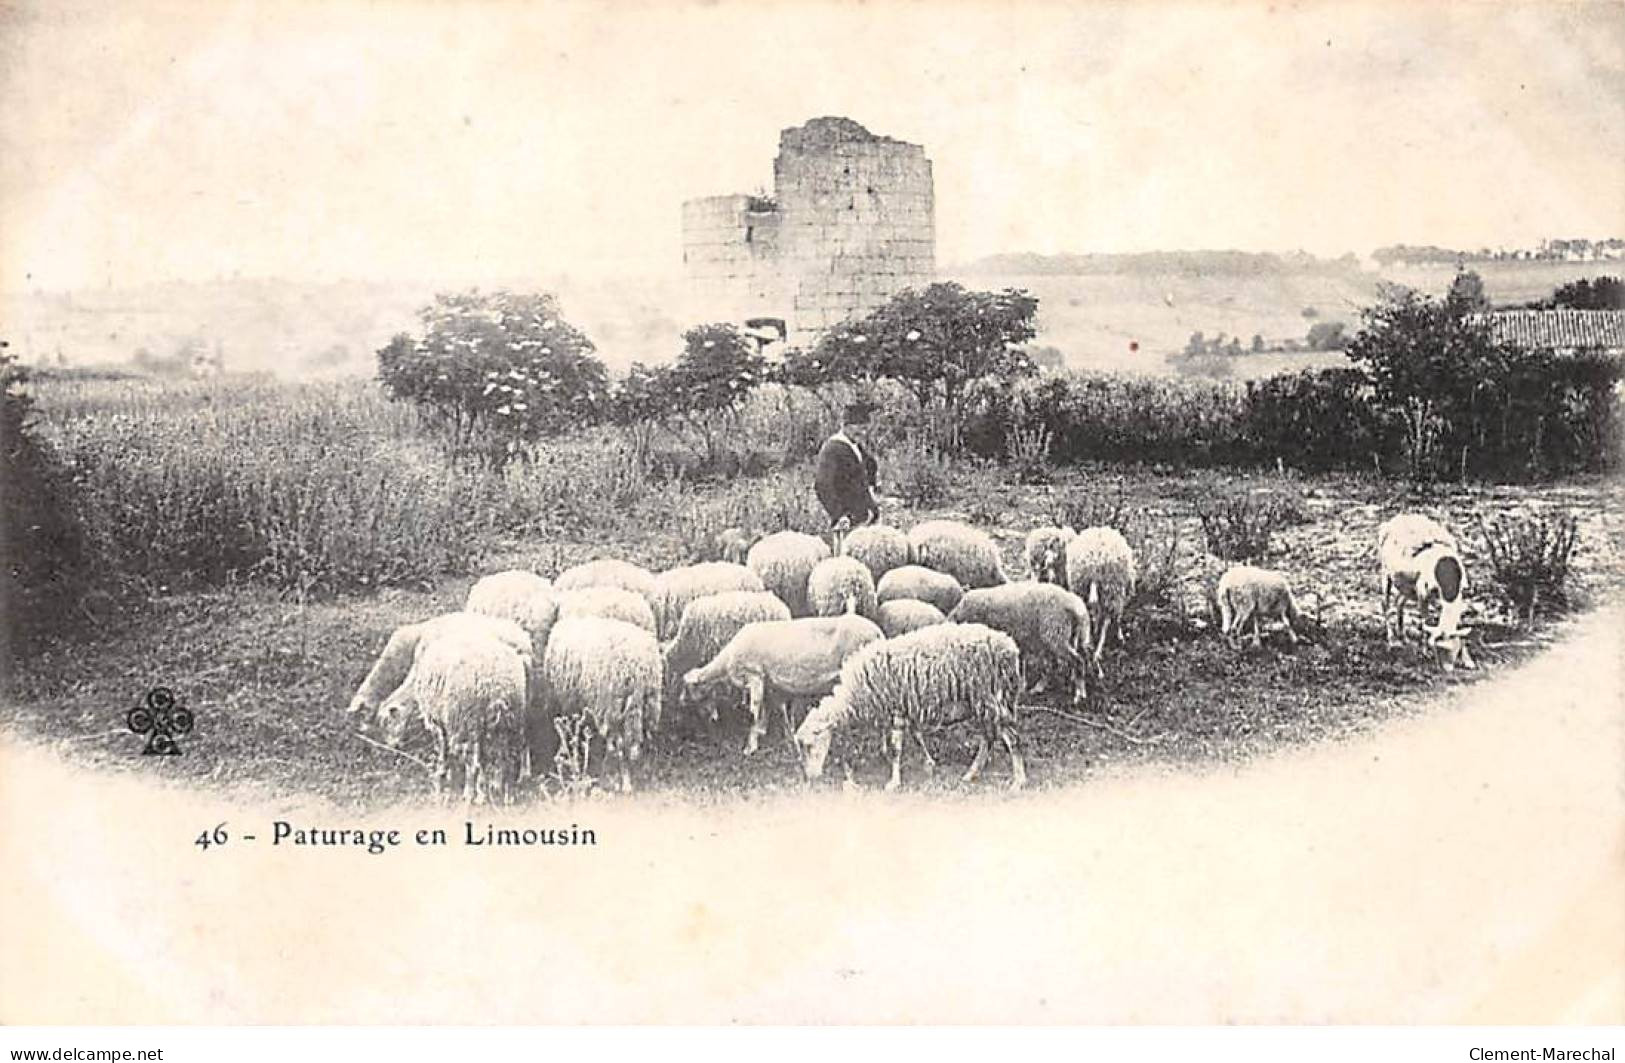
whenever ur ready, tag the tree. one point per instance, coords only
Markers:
(718, 368)
(934, 340)
(1197, 344)
(1326, 336)
(1258, 343)
(504, 362)
(1601, 293)
(1467, 293)
(639, 404)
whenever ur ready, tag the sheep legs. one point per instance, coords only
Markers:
(757, 687)
(1018, 769)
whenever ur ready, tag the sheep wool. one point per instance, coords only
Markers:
(607, 572)
(939, 675)
(469, 689)
(523, 597)
(841, 585)
(1100, 569)
(1247, 593)
(616, 603)
(879, 546)
(963, 552)
(389, 671)
(609, 670)
(1045, 550)
(902, 615)
(708, 624)
(676, 588)
(920, 584)
(783, 561)
(1420, 562)
(1048, 623)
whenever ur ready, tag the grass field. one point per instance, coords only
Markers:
(268, 671)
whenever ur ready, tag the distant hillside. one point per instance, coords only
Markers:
(1163, 263)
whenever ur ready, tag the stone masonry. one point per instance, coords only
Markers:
(849, 225)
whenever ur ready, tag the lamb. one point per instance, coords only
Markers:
(1248, 593)
(707, 625)
(1043, 619)
(1420, 562)
(933, 677)
(879, 546)
(920, 584)
(607, 572)
(613, 602)
(902, 615)
(1100, 569)
(731, 544)
(841, 585)
(389, 671)
(1046, 553)
(784, 560)
(964, 552)
(609, 670)
(677, 587)
(795, 658)
(470, 690)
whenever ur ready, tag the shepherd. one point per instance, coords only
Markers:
(847, 472)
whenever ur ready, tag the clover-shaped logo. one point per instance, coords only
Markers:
(162, 719)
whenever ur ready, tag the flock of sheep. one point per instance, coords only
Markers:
(900, 632)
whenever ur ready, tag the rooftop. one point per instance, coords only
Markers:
(1558, 329)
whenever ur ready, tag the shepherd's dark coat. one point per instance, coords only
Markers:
(845, 481)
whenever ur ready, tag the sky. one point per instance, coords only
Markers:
(463, 141)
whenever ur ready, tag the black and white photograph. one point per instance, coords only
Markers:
(813, 513)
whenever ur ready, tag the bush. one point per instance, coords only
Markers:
(921, 474)
(1529, 557)
(1238, 524)
(1091, 507)
(1316, 420)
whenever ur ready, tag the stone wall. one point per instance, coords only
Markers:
(852, 225)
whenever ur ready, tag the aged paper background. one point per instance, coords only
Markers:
(1466, 866)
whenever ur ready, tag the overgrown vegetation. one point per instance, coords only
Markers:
(1529, 558)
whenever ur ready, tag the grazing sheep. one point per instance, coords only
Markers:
(794, 658)
(523, 597)
(469, 688)
(922, 585)
(1043, 619)
(879, 546)
(731, 544)
(841, 585)
(389, 671)
(932, 677)
(607, 572)
(610, 670)
(677, 587)
(1045, 549)
(1100, 569)
(707, 625)
(613, 602)
(965, 553)
(902, 615)
(1248, 593)
(1420, 562)
(784, 560)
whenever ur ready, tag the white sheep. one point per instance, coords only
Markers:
(841, 585)
(933, 677)
(1100, 569)
(1247, 593)
(677, 587)
(609, 670)
(523, 597)
(607, 572)
(879, 546)
(784, 560)
(470, 691)
(1045, 550)
(920, 584)
(389, 671)
(965, 553)
(798, 658)
(707, 625)
(616, 603)
(1045, 621)
(1420, 562)
(902, 615)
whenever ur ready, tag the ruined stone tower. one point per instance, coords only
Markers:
(850, 224)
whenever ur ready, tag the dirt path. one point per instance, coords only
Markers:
(1465, 865)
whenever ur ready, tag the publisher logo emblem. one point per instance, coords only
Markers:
(162, 719)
